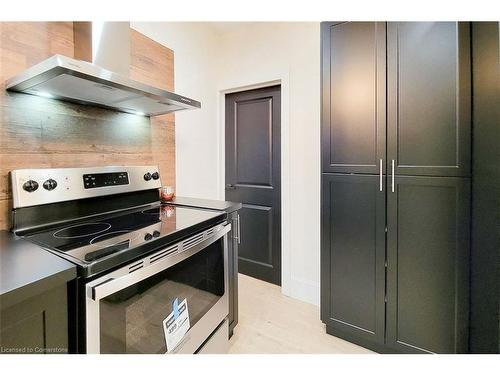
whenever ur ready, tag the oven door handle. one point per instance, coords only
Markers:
(115, 282)
(99, 285)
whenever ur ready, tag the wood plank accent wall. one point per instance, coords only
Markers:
(153, 64)
(37, 132)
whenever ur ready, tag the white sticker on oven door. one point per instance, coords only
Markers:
(176, 324)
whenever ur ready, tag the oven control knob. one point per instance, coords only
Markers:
(30, 186)
(148, 236)
(155, 176)
(50, 184)
(147, 176)
(156, 234)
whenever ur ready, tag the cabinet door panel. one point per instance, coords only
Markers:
(428, 255)
(353, 96)
(352, 257)
(429, 98)
(37, 325)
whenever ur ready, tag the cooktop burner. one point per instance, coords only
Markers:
(108, 235)
(160, 211)
(82, 230)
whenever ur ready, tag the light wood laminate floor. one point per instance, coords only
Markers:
(271, 323)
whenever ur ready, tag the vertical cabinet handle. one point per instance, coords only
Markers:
(239, 230)
(393, 175)
(380, 175)
(236, 229)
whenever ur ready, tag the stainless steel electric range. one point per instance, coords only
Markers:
(152, 278)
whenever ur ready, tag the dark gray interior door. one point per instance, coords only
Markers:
(428, 257)
(429, 98)
(353, 97)
(353, 257)
(253, 177)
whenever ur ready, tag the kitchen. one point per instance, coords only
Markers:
(277, 168)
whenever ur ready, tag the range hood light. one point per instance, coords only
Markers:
(45, 94)
(139, 113)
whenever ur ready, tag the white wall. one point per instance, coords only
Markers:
(290, 52)
(196, 141)
(211, 60)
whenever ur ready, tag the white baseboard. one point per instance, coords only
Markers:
(303, 290)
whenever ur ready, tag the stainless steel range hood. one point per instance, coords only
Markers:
(100, 82)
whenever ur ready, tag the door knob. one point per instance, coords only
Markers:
(230, 187)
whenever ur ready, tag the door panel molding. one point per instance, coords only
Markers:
(269, 211)
(268, 101)
(353, 306)
(342, 117)
(419, 69)
(428, 264)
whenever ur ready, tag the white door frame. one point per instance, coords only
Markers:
(286, 234)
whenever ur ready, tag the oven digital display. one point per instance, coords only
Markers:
(97, 180)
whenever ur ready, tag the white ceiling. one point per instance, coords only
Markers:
(228, 27)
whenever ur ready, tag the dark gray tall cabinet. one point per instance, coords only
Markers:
(485, 228)
(396, 134)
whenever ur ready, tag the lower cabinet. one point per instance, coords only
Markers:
(428, 264)
(403, 289)
(353, 258)
(36, 325)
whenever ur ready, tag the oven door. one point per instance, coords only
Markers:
(127, 310)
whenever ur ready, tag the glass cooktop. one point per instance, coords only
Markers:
(106, 235)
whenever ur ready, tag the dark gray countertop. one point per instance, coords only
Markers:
(27, 270)
(207, 204)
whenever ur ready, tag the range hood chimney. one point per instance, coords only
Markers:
(105, 44)
(98, 75)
